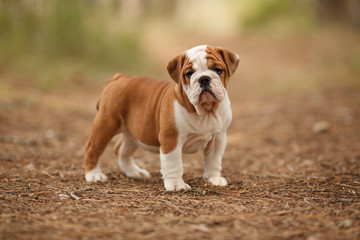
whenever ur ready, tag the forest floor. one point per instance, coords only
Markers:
(292, 160)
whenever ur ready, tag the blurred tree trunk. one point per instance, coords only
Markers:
(342, 11)
(331, 10)
(355, 13)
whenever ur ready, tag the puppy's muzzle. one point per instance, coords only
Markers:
(204, 83)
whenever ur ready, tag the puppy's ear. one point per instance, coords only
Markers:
(230, 59)
(175, 66)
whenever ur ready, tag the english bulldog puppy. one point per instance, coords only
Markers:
(190, 114)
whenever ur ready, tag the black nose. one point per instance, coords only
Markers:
(204, 82)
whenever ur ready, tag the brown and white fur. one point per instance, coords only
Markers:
(188, 115)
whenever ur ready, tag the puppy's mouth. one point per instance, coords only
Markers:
(207, 95)
(207, 99)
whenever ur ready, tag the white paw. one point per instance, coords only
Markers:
(138, 173)
(134, 171)
(217, 181)
(175, 184)
(95, 177)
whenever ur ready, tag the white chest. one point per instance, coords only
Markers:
(195, 132)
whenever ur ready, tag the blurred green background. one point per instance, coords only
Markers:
(54, 45)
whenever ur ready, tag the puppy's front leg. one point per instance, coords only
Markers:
(172, 170)
(212, 160)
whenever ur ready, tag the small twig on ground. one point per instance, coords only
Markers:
(47, 174)
(72, 194)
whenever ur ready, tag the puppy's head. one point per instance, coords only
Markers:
(203, 73)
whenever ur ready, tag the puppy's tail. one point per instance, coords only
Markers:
(114, 78)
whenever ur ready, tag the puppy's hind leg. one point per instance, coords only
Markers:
(124, 149)
(104, 128)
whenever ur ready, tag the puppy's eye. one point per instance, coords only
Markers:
(189, 74)
(218, 71)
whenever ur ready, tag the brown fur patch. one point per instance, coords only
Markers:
(140, 106)
(177, 68)
(221, 58)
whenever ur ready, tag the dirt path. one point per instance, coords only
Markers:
(286, 181)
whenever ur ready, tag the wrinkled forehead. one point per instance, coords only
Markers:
(197, 56)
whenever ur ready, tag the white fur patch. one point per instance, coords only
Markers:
(172, 170)
(190, 125)
(217, 181)
(195, 53)
(176, 184)
(96, 175)
(213, 159)
(132, 170)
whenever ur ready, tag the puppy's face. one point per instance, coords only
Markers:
(203, 73)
